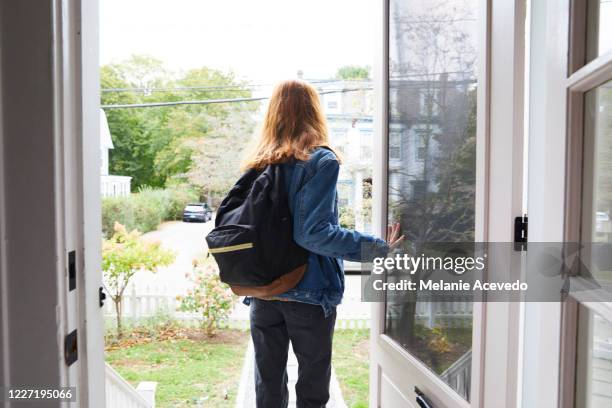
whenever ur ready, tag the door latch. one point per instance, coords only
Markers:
(421, 399)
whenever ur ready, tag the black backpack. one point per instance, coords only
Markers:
(252, 241)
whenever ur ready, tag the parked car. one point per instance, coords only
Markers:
(197, 212)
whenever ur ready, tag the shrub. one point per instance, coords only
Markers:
(146, 209)
(117, 209)
(178, 198)
(210, 297)
(125, 253)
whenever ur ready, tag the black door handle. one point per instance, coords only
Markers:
(421, 399)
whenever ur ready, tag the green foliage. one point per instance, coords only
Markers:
(209, 296)
(149, 208)
(353, 72)
(178, 199)
(146, 209)
(159, 146)
(118, 209)
(123, 255)
(346, 217)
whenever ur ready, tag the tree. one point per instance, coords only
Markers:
(137, 134)
(217, 157)
(156, 146)
(124, 254)
(353, 72)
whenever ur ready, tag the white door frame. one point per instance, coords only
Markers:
(556, 186)
(77, 108)
(547, 152)
(496, 334)
(86, 19)
(49, 197)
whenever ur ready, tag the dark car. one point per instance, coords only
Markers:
(197, 212)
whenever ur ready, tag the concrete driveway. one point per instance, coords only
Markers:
(186, 239)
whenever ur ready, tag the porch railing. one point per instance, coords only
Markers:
(120, 394)
(458, 375)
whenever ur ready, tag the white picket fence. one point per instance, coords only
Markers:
(151, 300)
(446, 314)
(148, 301)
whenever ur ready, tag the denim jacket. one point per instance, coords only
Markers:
(313, 202)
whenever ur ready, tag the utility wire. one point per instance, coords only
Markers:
(212, 101)
(235, 87)
(175, 103)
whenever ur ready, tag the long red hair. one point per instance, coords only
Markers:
(294, 125)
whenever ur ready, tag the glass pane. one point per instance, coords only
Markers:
(599, 28)
(594, 361)
(597, 197)
(594, 354)
(432, 150)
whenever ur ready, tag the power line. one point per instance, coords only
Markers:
(213, 101)
(211, 88)
(175, 103)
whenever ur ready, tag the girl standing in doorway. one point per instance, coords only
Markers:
(295, 135)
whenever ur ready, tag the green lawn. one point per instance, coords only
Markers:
(196, 371)
(190, 372)
(352, 365)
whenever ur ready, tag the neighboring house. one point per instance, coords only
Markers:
(349, 119)
(111, 185)
(416, 128)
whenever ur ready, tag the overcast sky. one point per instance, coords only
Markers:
(263, 40)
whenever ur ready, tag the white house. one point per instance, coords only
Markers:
(348, 110)
(110, 185)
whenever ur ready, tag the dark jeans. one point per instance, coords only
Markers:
(273, 324)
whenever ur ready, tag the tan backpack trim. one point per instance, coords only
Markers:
(280, 285)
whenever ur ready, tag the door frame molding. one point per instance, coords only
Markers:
(581, 76)
(88, 169)
(49, 76)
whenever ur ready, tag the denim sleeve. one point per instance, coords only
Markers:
(315, 226)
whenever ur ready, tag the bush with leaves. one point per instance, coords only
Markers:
(210, 297)
(146, 209)
(124, 254)
(117, 209)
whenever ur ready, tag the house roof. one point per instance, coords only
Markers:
(106, 141)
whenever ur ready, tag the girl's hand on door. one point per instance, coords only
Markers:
(393, 235)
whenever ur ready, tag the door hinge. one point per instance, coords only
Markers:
(520, 233)
(101, 296)
(71, 352)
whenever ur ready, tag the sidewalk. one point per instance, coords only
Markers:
(246, 390)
